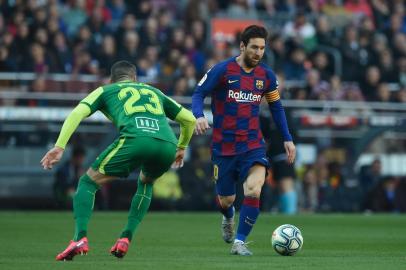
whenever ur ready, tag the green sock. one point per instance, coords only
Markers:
(139, 207)
(83, 202)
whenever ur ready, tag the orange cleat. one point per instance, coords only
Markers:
(75, 248)
(120, 248)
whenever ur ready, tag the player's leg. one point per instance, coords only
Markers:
(110, 164)
(253, 169)
(83, 202)
(139, 207)
(226, 207)
(250, 206)
(249, 209)
(224, 175)
(288, 196)
(284, 174)
(157, 156)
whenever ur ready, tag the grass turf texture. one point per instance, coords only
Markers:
(30, 240)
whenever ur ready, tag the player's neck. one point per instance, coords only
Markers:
(243, 65)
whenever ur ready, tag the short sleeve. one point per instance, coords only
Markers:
(171, 107)
(273, 81)
(94, 100)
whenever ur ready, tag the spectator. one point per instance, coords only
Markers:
(279, 52)
(324, 34)
(350, 49)
(129, 51)
(60, 55)
(74, 16)
(322, 64)
(370, 83)
(107, 56)
(294, 68)
(301, 32)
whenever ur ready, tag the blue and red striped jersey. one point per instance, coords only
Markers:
(236, 96)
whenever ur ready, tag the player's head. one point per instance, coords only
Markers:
(252, 45)
(123, 71)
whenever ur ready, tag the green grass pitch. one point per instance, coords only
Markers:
(30, 240)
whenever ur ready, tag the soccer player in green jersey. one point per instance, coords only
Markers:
(146, 141)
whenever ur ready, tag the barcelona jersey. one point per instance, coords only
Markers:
(236, 96)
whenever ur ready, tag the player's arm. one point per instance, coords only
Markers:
(187, 123)
(279, 117)
(203, 88)
(85, 108)
(69, 126)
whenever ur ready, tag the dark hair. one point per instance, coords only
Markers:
(122, 70)
(253, 31)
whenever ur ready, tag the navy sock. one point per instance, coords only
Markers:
(227, 212)
(248, 216)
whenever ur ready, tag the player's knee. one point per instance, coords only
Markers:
(286, 184)
(227, 201)
(146, 179)
(252, 191)
(98, 177)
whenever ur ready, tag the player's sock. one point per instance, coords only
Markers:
(83, 202)
(248, 216)
(139, 207)
(227, 212)
(288, 202)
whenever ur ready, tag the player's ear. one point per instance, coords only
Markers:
(242, 46)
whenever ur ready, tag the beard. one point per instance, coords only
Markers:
(249, 62)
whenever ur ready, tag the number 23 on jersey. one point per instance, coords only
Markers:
(131, 106)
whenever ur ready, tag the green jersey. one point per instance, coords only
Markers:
(136, 109)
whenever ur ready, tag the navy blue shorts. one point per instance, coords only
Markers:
(230, 170)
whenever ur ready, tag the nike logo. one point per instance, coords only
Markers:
(232, 81)
(81, 243)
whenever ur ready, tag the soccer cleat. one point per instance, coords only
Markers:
(240, 248)
(75, 247)
(120, 248)
(227, 229)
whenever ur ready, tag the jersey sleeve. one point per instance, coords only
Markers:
(69, 126)
(272, 93)
(94, 100)
(275, 106)
(171, 107)
(207, 84)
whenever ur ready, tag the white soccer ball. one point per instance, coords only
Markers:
(287, 240)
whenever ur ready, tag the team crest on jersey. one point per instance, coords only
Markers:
(259, 84)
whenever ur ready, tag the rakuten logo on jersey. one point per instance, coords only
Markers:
(241, 96)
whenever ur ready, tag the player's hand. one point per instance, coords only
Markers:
(290, 151)
(201, 125)
(52, 157)
(178, 163)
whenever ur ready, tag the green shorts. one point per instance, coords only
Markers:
(125, 154)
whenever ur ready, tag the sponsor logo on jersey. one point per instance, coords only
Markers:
(242, 96)
(147, 124)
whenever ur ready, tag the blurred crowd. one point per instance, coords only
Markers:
(339, 49)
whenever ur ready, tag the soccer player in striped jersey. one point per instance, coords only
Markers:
(236, 87)
(146, 141)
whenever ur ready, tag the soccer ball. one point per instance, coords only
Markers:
(287, 240)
